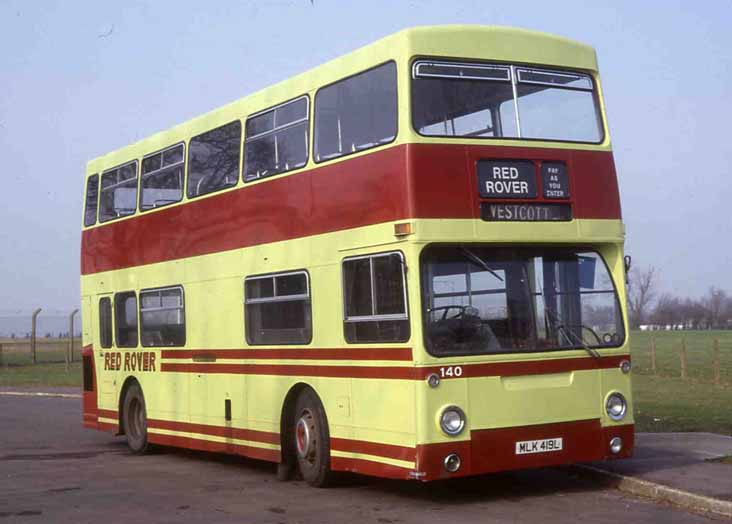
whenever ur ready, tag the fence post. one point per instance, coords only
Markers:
(33, 335)
(683, 358)
(71, 337)
(716, 363)
(1, 356)
(653, 355)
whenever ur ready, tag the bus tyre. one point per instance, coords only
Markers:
(135, 419)
(312, 440)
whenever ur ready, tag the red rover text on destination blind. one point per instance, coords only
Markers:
(143, 361)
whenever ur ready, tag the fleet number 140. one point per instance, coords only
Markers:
(451, 371)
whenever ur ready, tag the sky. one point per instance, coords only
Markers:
(79, 79)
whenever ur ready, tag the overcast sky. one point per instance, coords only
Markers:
(78, 79)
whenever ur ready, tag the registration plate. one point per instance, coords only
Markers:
(546, 445)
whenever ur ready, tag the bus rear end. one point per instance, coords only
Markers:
(525, 359)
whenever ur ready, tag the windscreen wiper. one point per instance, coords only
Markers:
(559, 325)
(480, 262)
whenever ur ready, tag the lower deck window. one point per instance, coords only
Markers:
(162, 317)
(375, 299)
(278, 309)
(105, 322)
(125, 319)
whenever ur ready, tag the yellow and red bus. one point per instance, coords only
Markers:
(407, 262)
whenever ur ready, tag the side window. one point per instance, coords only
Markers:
(357, 113)
(119, 192)
(213, 160)
(92, 192)
(105, 322)
(125, 319)
(278, 309)
(162, 317)
(375, 299)
(277, 140)
(161, 180)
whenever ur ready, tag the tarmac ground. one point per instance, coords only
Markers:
(54, 470)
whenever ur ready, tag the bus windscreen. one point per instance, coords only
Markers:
(480, 300)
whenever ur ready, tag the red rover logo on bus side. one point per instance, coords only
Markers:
(143, 361)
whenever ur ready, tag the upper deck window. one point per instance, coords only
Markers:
(213, 160)
(277, 140)
(356, 113)
(495, 100)
(162, 178)
(119, 192)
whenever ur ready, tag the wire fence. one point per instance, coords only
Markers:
(39, 337)
(19, 352)
(701, 356)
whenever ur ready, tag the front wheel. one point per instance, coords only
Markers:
(135, 419)
(312, 440)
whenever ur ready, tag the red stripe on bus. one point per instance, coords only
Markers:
(504, 369)
(404, 373)
(352, 353)
(408, 181)
(529, 367)
(218, 431)
(271, 455)
(363, 447)
(369, 467)
(107, 413)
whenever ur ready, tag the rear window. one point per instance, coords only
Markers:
(90, 208)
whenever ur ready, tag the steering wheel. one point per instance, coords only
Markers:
(445, 309)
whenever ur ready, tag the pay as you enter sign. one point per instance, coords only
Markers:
(506, 179)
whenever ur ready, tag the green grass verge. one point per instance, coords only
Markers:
(41, 375)
(664, 402)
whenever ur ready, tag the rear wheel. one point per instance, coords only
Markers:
(135, 419)
(312, 440)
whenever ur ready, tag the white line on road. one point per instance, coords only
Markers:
(38, 394)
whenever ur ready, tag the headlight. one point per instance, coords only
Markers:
(452, 420)
(616, 406)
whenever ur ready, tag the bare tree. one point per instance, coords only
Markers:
(716, 303)
(641, 292)
(668, 311)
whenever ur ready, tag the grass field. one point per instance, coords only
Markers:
(663, 402)
(16, 368)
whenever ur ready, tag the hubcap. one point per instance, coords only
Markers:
(305, 437)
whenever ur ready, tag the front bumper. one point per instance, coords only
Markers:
(492, 450)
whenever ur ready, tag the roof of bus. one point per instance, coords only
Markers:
(502, 44)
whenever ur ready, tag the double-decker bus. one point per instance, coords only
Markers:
(407, 262)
